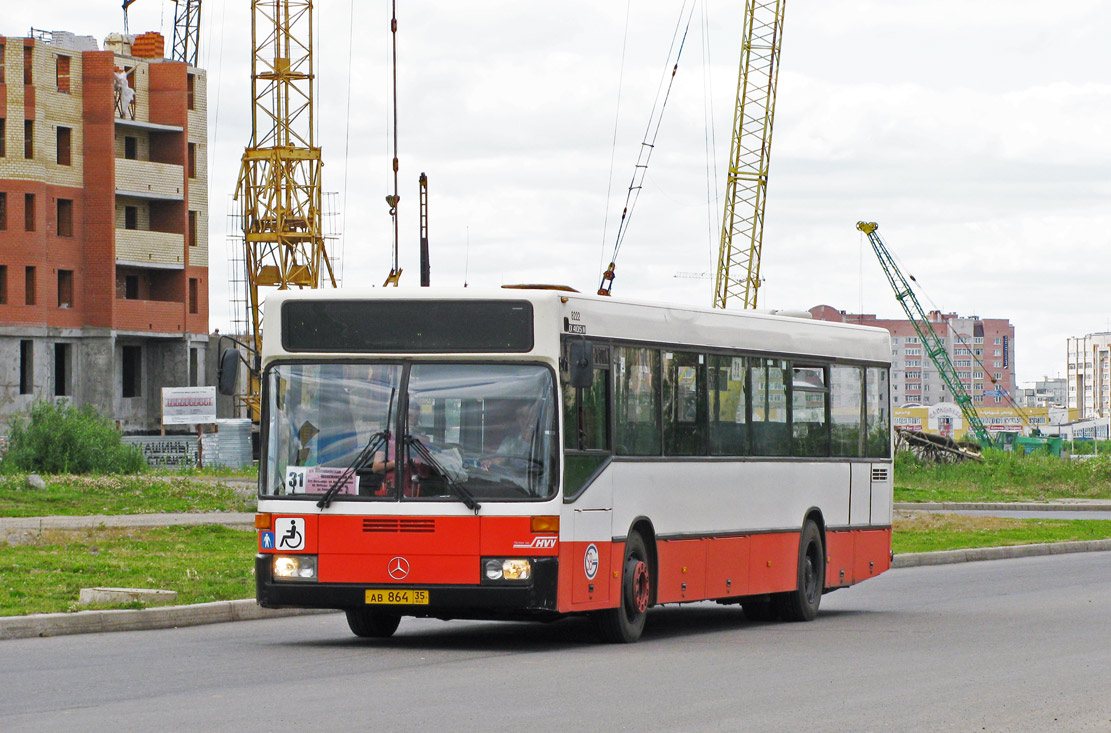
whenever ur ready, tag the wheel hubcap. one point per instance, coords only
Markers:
(639, 585)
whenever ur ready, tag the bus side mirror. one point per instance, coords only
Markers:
(227, 374)
(581, 366)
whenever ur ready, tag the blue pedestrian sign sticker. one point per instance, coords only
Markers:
(266, 540)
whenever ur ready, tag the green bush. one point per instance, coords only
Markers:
(60, 438)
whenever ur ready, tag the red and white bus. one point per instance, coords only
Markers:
(532, 453)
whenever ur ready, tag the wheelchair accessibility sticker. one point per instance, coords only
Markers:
(290, 533)
(590, 561)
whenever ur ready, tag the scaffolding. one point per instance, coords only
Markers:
(279, 188)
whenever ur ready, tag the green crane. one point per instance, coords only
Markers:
(933, 345)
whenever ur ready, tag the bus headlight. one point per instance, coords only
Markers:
(511, 569)
(294, 567)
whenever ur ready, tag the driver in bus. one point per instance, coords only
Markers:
(515, 449)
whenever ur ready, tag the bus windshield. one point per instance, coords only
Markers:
(411, 432)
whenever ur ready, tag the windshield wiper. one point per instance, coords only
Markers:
(377, 442)
(381, 439)
(426, 455)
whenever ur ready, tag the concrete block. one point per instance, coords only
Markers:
(125, 595)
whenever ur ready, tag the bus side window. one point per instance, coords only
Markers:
(728, 406)
(770, 433)
(846, 384)
(684, 404)
(586, 409)
(809, 421)
(636, 398)
(878, 443)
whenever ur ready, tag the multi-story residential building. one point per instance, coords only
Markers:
(981, 349)
(1045, 392)
(1089, 375)
(103, 224)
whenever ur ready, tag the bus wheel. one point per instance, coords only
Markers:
(625, 623)
(801, 604)
(368, 623)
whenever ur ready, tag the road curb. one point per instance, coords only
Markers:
(946, 557)
(165, 617)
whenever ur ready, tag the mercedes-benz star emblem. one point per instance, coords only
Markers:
(398, 568)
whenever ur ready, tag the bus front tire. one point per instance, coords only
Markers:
(802, 603)
(371, 624)
(624, 624)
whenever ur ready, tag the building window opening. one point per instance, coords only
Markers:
(26, 366)
(27, 66)
(131, 148)
(63, 355)
(194, 366)
(194, 307)
(132, 371)
(62, 74)
(3, 284)
(131, 217)
(131, 287)
(192, 160)
(29, 286)
(3, 211)
(3, 121)
(190, 90)
(65, 288)
(28, 139)
(29, 212)
(65, 217)
(64, 147)
(192, 229)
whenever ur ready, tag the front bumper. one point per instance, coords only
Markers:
(535, 598)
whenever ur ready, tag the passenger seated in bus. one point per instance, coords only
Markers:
(385, 466)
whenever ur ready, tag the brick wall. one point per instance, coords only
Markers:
(99, 282)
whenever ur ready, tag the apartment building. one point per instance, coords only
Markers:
(1089, 375)
(981, 349)
(1045, 392)
(103, 224)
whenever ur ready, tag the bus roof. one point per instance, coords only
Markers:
(632, 320)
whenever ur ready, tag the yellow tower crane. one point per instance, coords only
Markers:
(742, 229)
(279, 182)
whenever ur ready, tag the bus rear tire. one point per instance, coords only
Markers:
(371, 624)
(802, 603)
(624, 624)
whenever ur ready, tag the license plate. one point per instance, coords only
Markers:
(397, 597)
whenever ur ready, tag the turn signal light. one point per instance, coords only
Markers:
(264, 521)
(544, 524)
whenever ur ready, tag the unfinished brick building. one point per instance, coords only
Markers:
(103, 224)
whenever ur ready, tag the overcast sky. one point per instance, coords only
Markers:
(976, 132)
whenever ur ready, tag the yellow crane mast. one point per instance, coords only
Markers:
(742, 229)
(279, 184)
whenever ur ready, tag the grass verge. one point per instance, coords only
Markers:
(927, 532)
(45, 572)
(1002, 477)
(130, 494)
(202, 563)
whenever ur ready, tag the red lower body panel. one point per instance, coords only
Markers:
(720, 567)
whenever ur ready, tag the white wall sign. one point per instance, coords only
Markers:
(188, 405)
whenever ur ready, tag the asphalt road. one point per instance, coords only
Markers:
(1009, 645)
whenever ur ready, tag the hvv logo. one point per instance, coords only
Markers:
(538, 543)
